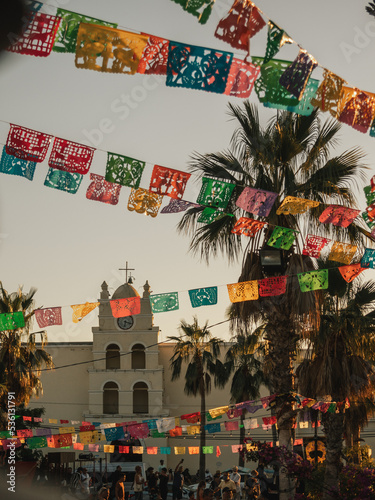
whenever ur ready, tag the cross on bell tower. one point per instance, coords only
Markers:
(126, 269)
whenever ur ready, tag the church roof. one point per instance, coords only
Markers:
(125, 291)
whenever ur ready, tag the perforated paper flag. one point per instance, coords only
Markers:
(66, 38)
(125, 307)
(152, 450)
(174, 206)
(368, 258)
(282, 237)
(124, 170)
(81, 310)
(207, 450)
(193, 450)
(34, 443)
(212, 428)
(164, 302)
(166, 424)
(276, 38)
(314, 245)
(313, 280)
(369, 194)
(338, 215)
(209, 215)
(38, 36)
(304, 106)
(216, 412)
(231, 425)
(369, 222)
(328, 94)
(247, 290)
(295, 78)
(351, 272)
(177, 431)
(48, 317)
(27, 144)
(267, 86)
(242, 22)
(11, 321)
(179, 450)
(61, 440)
(273, 286)
(292, 205)
(241, 78)
(198, 68)
(33, 5)
(169, 182)
(215, 193)
(114, 433)
(165, 450)
(356, 108)
(203, 296)
(16, 166)
(154, 58)
(63, 181)
(107, 49)
(248, 227)
(144, 202)
(371, 211)
(256, 201)
(101, 190)
(199, 8)
(108, 448)
(70, 156)
(342, 252)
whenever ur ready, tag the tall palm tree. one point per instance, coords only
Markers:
(339, 363)
(200, 351)
(21, 359)
(291, 157)
(243, 359)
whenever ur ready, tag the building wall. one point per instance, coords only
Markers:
(66, 396)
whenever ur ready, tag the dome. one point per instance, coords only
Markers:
(125, 291)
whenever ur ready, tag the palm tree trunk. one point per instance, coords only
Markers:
(282, 349)
(202, 456)
(333, 428)
(241, 456)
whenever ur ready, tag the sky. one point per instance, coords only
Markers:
(66, 245)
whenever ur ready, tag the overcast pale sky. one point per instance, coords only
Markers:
(66, 245)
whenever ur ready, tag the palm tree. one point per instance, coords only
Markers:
(21, 360)
(291, 157)
(200, 351)
(339, 364)
(243, 360)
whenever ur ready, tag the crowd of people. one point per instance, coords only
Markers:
(157, 483)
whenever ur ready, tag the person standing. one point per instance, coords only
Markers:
(161, 466)
(164, 478)
(139, 482)
(226, 482)
(85, 483)
(215, 485)
(236, 478)
(178, 481)
(119, 488)
(253, 486)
